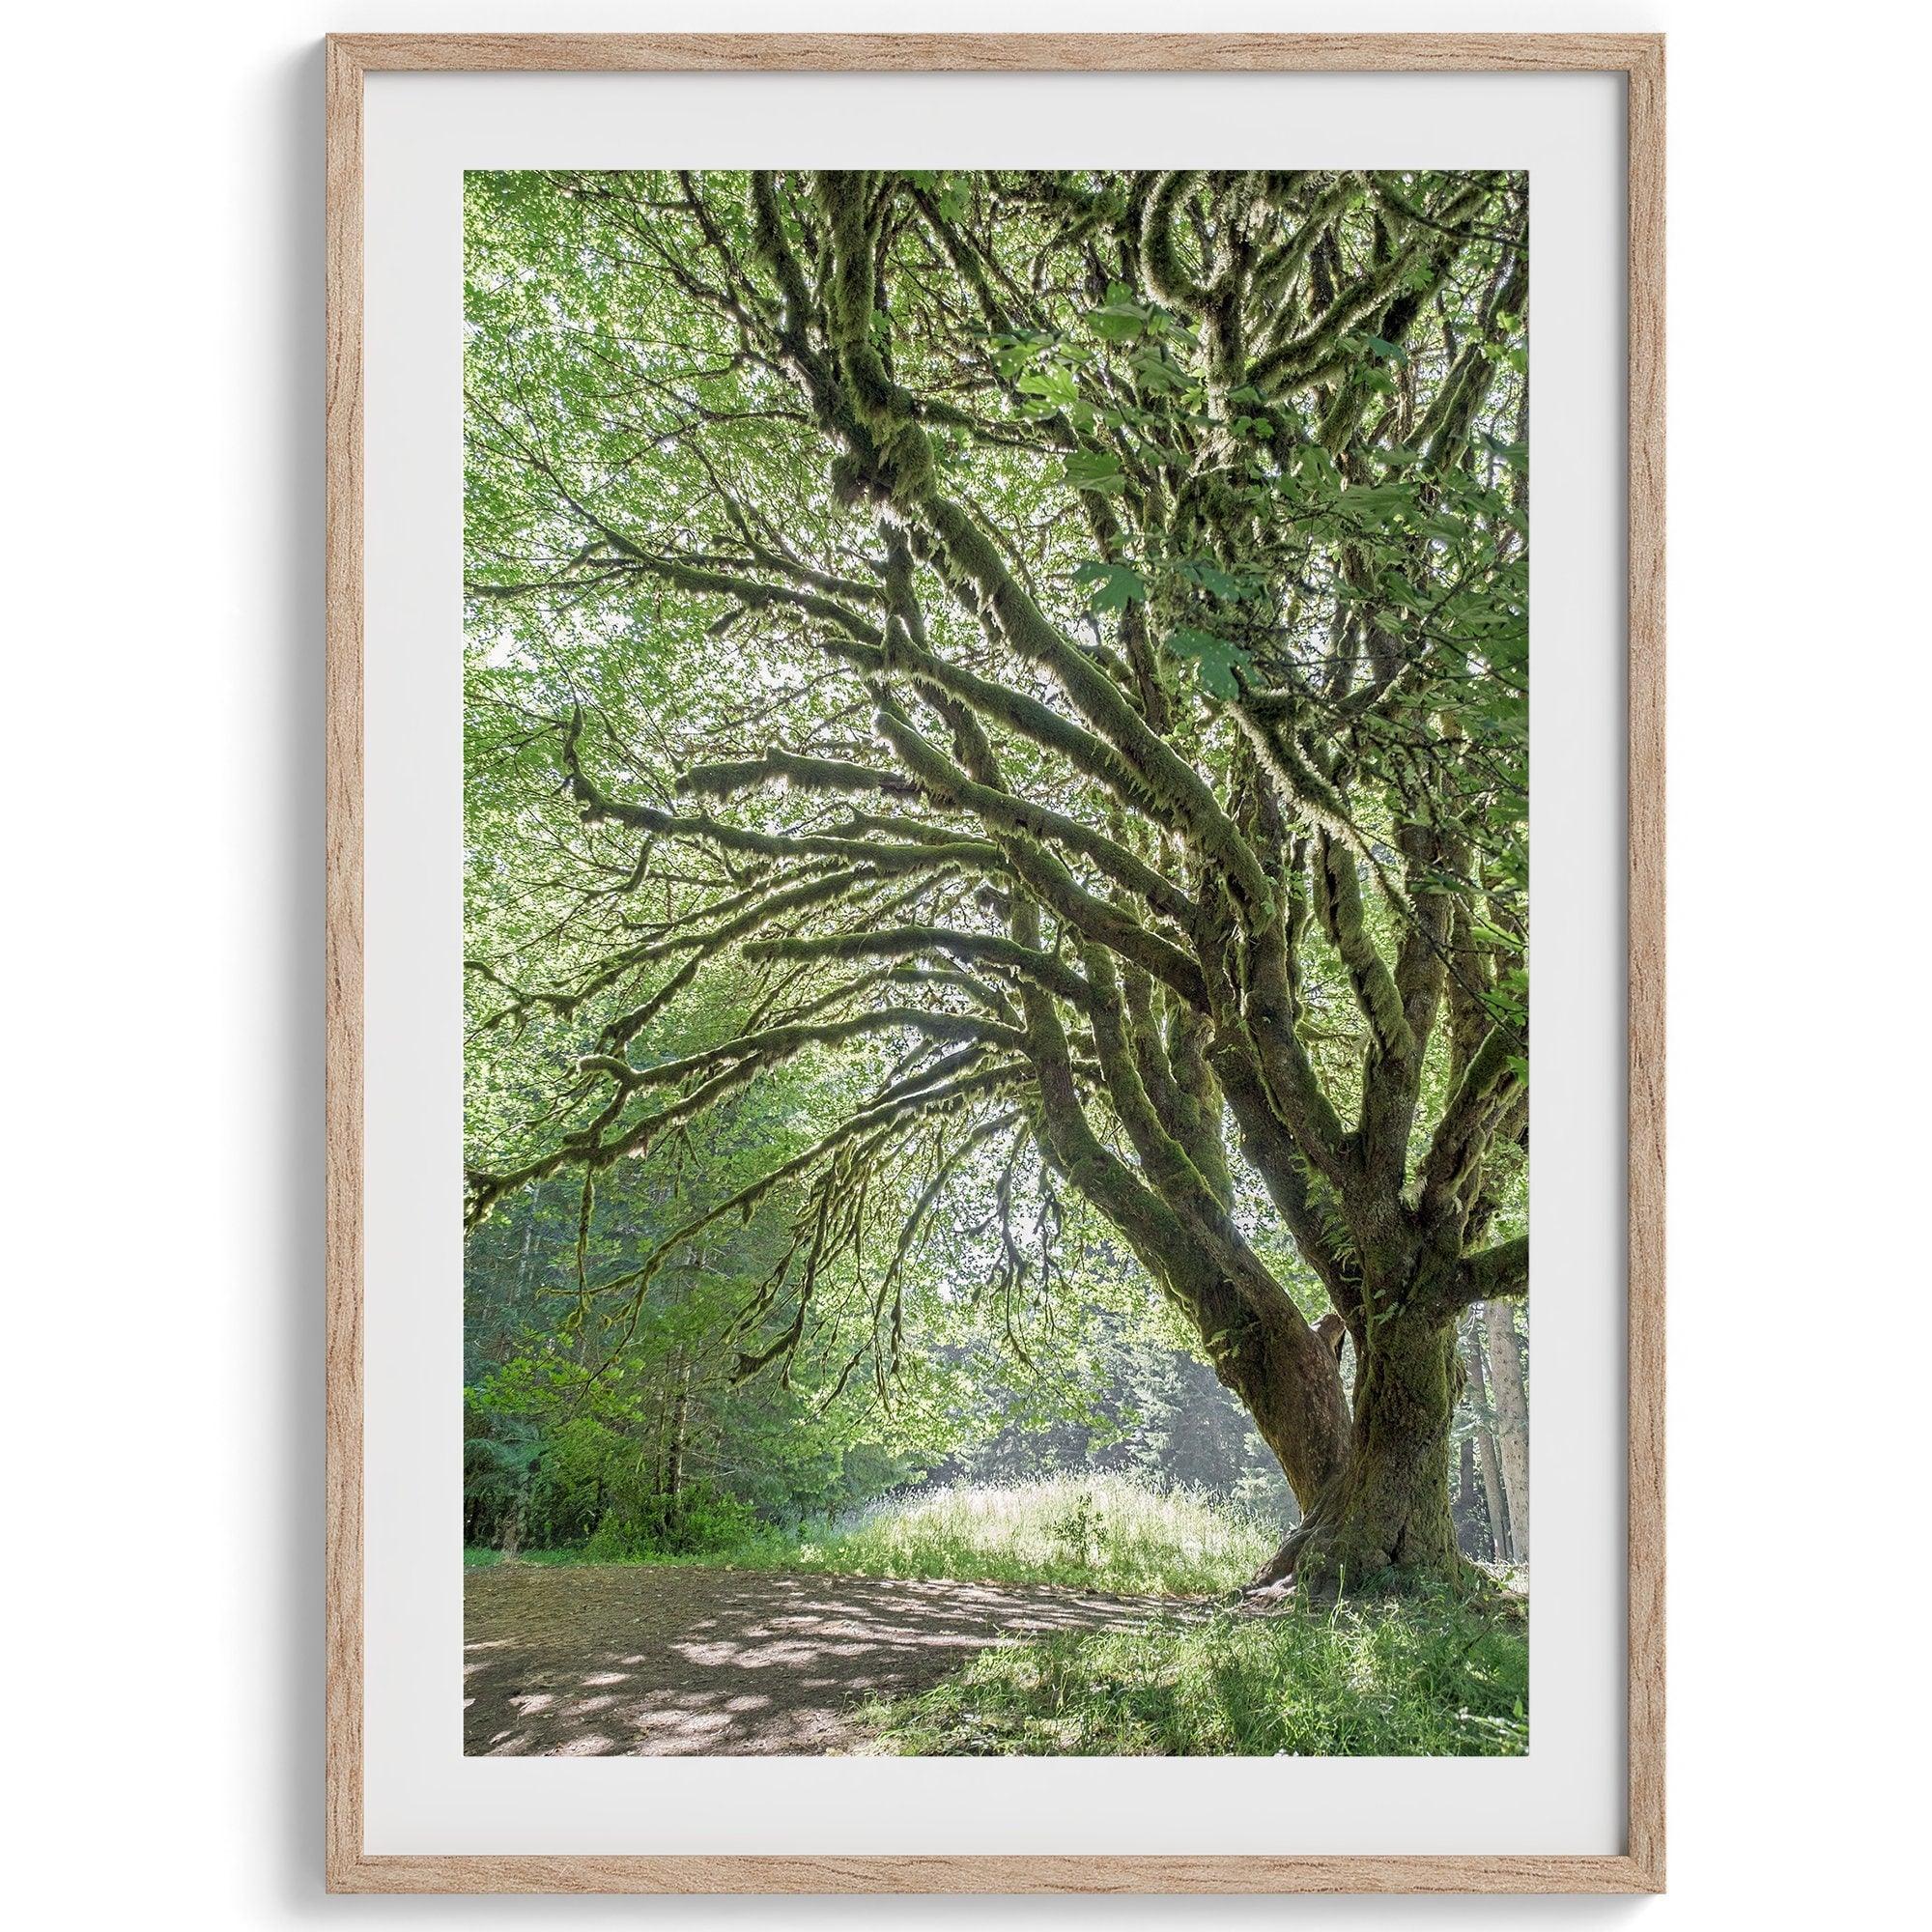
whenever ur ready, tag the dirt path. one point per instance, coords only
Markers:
(588, 1661)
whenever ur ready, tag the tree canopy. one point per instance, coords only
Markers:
(1045, 656)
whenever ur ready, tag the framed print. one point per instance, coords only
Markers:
(938, 692)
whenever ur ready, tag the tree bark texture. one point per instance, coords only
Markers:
(1512, 1407)
(1486, 1457)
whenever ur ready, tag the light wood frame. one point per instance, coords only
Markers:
(1640, 57)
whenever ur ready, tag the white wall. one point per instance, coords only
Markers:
(162, 453)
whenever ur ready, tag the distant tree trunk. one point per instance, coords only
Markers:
(1486, 1438)
(1473, 1524)
(674, 1454)
(661, 1436)
(530, 1245)
(1511, 1409)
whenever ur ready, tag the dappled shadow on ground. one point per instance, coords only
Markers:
(611, 1660)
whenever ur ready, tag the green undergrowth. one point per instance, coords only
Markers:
(1436, 1677)
(1092, 1532)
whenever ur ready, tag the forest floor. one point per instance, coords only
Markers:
(629, 1660)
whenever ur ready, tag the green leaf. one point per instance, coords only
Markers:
(1118, 319)
(1156, 375)
(1095, 469)
(1215, 659)
(1398, 589)
(1385, 352)
(1208, 575)
(1116, 586)
(1314, 465)
(1052, 382)
(1381, 500)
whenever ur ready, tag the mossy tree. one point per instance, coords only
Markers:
(1061, 640)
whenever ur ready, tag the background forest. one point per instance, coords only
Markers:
(672, 1455)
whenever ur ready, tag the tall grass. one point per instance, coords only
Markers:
(1094, 1532)
(1439, 1678)
(1099, 1532)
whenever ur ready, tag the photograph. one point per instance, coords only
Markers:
(996, 898)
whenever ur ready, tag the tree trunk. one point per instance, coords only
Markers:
(529, 1246)
(1511, 1421)
(1384, 1517)
(1286, 1376)
(674, 1455)
(1486, 1438)
(1473, 1535)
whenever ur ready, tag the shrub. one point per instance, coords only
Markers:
(705, 1522)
